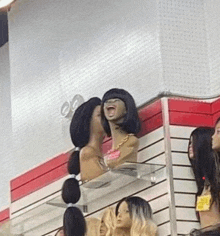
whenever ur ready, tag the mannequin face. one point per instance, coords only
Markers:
(216, 138)
(123, 217)
(191, 154)
(95, 125)
(103, 229)
(114, 109)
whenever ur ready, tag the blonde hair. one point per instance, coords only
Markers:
(141, 216)
(92, 226)
(109, 220)
(143, 227)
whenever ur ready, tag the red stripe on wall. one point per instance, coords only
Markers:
(40, 170)
(150, 110)
(216, 106)
(189, 106)
(151, 124)
(215, 117)
(190, 119)
(4, 215)
(182, 113)
(39, 182)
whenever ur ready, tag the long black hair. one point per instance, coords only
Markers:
(203, 163)
(217, 159)
(73, 221)
(131, 122)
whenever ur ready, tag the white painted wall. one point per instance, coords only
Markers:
(61, 48)
(7, 162)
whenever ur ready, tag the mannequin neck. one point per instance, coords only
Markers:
(95, 141)
(122, 232)
(117, 134)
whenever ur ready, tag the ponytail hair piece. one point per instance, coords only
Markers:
(71, 191)
(73, 221)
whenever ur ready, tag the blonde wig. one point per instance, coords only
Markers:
(92, 226)
(109, 219)
(141, 215)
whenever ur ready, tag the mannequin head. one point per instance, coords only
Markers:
(118, 106)
(216, 136)
(115, 110)
(80, 126)
(85, 121)
(202, 159)
(108, 222)
(135, 214)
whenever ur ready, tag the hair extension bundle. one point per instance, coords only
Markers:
(73, 222)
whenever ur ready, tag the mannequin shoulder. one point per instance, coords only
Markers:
(133, 141)
(87, 152)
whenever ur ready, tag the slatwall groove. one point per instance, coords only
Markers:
(184, 179)
(151, 151)
(164, 228)
(179, 138)
(161, 210)
(158, 197)
(157, 157)
(163, 223)
(150, 138)
(34, 203)
(182, 152)
(151, 144)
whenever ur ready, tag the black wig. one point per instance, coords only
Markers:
(203, 162)
(131, 122)
(134, 206)
(217, 159)
(74, 222)
(80, 131)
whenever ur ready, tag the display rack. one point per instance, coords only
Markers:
(96, 194)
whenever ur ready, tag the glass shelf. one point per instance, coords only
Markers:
(95, 194)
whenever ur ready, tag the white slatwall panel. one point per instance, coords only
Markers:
(184, 183)
(186, 227)
(151, 151)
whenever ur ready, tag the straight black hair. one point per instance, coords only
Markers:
(80, 131)
(74, 222)
(203, 163)
(131, 122)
